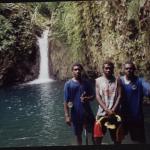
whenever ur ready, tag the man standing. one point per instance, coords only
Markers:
(134, 88)
(77, 96)
(108, 95)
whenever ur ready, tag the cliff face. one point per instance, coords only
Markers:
(92, 31)
(86, 31)
(19, 55)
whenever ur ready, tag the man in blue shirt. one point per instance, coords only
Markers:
(134, 88)
(77, 96)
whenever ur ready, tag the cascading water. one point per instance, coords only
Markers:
(44, 69)
(43, 44)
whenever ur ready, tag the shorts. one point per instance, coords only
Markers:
(136, 130)
(87, 123)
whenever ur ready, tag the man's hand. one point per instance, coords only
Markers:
(68, 120)
(85, 98)
(109, 112)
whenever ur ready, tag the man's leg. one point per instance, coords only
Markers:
(79, 139)
(89, 127)
(99, 131)
(86, 136)
(118, 134)
(78, 133)
(98, 140)
(113, 136)
(89, 136)
(137, 132)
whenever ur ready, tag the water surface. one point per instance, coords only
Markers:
(32, 115)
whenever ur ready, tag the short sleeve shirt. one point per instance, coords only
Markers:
(72, 92)
(133, 93)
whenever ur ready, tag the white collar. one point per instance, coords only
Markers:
(126, 81)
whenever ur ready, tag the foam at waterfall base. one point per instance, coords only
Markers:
(40, 81)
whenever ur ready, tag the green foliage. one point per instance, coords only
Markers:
(7, 37)
(133, 9)
(67, 27)
(91, 31)
(16, 29)
(44, 9)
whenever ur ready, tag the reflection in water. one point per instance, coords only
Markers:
(49, 114)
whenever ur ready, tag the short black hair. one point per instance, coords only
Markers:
(108, 62)
(131, 63)
(77, 64)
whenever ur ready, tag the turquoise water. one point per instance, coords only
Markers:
(32, 115)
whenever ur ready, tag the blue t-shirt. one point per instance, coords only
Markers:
(133, 93)
(72, 92)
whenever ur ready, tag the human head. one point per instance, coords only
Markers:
(77, 69)
(108, 68)
(129, 68)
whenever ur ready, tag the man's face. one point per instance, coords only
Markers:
(77, 72)
(129, 70)
(108, 70)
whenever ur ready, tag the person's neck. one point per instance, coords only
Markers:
(129, 78)
(108, 77)
(77, 79)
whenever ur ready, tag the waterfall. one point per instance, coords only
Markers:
(43, 45)
(44, 68)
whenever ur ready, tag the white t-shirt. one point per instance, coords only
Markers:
(107, 90)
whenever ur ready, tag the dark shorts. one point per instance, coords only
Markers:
(87, 123)
(136, 130)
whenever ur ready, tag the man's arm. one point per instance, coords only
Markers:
(86, 98)
(146, 88)
(66, 108)
(89, 94)
(119, 95)
(67, 114)
(100, 101)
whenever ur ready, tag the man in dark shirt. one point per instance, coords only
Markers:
(77, 96)
(134, 88)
